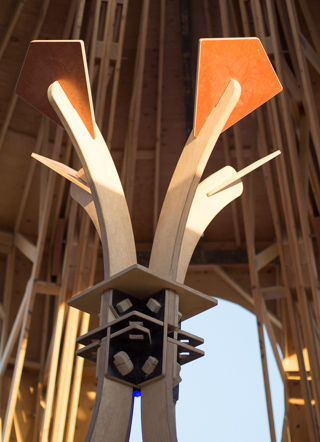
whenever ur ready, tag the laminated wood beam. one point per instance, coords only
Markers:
(104, 184)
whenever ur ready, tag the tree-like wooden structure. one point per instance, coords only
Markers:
(139, 344)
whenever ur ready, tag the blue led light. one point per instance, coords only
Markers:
(136, 393)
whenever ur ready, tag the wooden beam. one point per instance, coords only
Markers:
(265, 256)
(29, 177)
(14, 98)
(41, 369)
(159, 115)
(6, 241)
(68, 354)
(25, 246)
(58, 327)
(294, 162)
(47, 288)
(243, 293)
(78, 371)
(2, 313)
(10, 27)
(256, 291)
(131, 144)
(312, 25)
(306, 83)
(310, 53)
(29, 299)
(14, 330)
(116, 77)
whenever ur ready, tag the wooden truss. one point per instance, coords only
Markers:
(289, 122)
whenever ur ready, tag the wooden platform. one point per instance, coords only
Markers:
(141, 282)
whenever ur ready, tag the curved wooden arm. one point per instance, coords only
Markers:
(166, 248)
(114, 220)
(202, 212)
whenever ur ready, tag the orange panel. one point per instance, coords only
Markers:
(241, 59)
(63, 60)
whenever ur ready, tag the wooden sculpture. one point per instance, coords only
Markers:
(139, 345)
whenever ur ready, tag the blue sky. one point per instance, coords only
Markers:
(222, 395)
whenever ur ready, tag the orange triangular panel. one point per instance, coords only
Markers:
(63, 60)
(241, 59)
